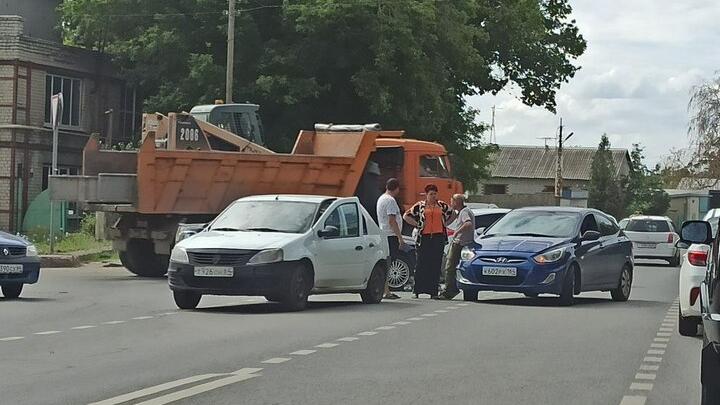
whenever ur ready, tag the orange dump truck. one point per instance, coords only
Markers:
(187, 170)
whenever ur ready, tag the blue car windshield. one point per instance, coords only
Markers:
(536, 223)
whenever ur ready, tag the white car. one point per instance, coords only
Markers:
(692, 274)
(653, 237)
(484, 217)
(283, 247)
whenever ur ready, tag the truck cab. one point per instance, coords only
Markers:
(240, 119)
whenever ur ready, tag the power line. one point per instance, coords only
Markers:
(197, 13)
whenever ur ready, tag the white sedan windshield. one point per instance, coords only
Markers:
(267, 216)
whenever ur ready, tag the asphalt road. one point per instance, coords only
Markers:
(102, 335)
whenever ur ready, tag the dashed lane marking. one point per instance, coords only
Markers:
(633, 400)
(140, 318)
(47, 332)
(441, 311)
(664, 340)
(415, 319)
(656, 352)
(401, 323)
(385, 328)
(348, 339)
(327, 345)
(367, 333)
(236, 377)
(276, 360)
(11, 338)
(659, 345)
(649, 367)
(83, 327)
(641, 386)
(641, 376)
(427, 315)
(113, 322)
(303, 352)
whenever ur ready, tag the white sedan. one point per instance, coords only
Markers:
(653, 237)
(285, 248)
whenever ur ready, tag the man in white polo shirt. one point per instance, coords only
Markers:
(390, 221)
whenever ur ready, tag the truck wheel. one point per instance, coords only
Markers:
(186, 299)
(373, 293)
(12, 291)
(296, 296)
(141, 259)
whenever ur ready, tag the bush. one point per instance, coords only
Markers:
(87, 224)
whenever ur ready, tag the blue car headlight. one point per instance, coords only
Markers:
(552, 256)
(467, 254)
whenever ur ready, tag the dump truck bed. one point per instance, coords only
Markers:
(167, 181)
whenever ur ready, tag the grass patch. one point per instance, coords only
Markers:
(73, 242)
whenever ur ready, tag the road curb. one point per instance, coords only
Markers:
(75, 259)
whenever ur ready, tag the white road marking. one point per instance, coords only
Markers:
(367, 333)
(428, 315)
(666, 329)
(664, 334)
(633, 400)
(440, 311)
(170, 313)
(641, 386)
(667, 324)
(649, 367)
(661, 339)
(83, 327)
(658, 345)
(155, 389)
(451, 307)
(303, 352)
(199, 389)
(415, 319)
(327, 345)
(653, 359)
(464, 304)
(47, 332)
(641, 376)
(11, 338)
(385, 327)
(400, 323)
(348, 339)
(113, 322)
(656, 352)
(140, 318)
(277, 360)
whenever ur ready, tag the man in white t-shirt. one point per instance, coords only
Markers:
(390, 220)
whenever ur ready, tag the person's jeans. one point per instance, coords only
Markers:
(451, 263)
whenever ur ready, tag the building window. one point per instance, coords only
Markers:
(71, 99)
(495, 189)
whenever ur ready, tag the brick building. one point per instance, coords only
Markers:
(34, 65)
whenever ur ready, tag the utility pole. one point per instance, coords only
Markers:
(230, 52)
(493, 138)
(558, 167)
(558, 171)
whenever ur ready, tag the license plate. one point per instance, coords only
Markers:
(11, 268)
(646, 245)
(499, 271)
(214, 271)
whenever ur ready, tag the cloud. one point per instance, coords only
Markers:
(643, 59)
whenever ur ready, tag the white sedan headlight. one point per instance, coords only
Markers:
(550, 257)
(179, 255)
(31, 251)
(267, 256)
(467, 254)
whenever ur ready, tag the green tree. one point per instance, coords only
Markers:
(645, 192)
(606, 190)
(407, 64)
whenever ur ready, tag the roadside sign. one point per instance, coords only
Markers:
(56, 108)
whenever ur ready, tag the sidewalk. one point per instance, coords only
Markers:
(74, 259)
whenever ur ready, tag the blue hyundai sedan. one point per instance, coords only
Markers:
(554, 250)
(19, 264)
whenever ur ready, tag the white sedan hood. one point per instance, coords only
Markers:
(239, 240)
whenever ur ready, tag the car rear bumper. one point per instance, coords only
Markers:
(661, 251)
(30, 274)
(264, 279)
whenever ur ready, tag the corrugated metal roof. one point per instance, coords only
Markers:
(538, 162)
(698, 183)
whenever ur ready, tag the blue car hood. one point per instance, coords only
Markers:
(11, 240)
(517, 243)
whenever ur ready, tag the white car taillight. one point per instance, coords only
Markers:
(697, 257)
(671, 238)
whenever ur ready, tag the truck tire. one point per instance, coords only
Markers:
(141, 259)
(12, 291)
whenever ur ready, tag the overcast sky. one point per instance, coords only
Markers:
(642, 60)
